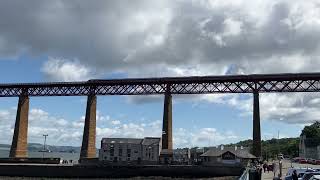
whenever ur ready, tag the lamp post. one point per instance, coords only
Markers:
(265, 141)
(44, 145)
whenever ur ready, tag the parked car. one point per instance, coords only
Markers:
(315, 177)
(317, 162)
(296, 159)
(308, 175)
(300, 172)
(303, 161)
(311, 161)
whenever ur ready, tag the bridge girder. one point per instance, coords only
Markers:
(179, 85)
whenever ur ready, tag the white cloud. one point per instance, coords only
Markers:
(171, 38)
(68, 132)
(64, 70)
(115, 122)
(202, 137)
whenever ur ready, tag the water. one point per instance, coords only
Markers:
(4, 153)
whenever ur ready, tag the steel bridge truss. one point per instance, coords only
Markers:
(180, 85)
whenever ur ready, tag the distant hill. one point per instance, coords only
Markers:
(4, 146)
(286, 146)
(37, 147)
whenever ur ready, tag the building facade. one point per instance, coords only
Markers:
(130, 150)
(195, 155)
(181, 156)
(309, 148)
(227, 156)
(151, 148)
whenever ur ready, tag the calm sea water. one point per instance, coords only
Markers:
(4, 153)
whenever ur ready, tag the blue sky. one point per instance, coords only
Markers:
(44, 41)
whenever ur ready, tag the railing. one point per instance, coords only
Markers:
(245, 175)
(251, 174)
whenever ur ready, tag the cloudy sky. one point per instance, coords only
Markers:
(79, 40)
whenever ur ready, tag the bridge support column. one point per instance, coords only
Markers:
(19, 146)
(88, 148)
(166, 153)
(256, 126)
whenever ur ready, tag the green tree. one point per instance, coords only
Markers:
(312, 131)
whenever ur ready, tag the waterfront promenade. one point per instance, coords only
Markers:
(286, 164)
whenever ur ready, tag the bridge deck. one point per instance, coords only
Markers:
(300, 82)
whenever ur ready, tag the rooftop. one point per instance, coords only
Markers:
(241, 153)
(122, 140)
(145, 141)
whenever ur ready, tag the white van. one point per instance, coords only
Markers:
(280, 156)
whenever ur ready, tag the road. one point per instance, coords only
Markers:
(286, 164)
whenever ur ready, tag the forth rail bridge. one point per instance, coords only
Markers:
(255, 84)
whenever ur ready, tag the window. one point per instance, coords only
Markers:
(111, 151)
(120, 152)
(129, 153)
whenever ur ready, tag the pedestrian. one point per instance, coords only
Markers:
(294, 175)
(274, 169)
(264, 167)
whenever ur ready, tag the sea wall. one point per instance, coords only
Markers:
(116, 171)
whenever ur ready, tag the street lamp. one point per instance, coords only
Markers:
(44, 144)
(266, 149)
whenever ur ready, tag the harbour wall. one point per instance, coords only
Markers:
(117, 171)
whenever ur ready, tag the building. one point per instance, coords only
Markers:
(309, 147)
(181, 156)
(151, 148)
(195, 155)
(130, 150)
(227, 156)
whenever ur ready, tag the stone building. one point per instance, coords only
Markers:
(195, 155)
(309, 147)
(130, 150)
(181, 156)
(227, 156)
(151, 148)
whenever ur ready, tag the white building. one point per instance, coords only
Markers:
(130, 150)
(151, 148)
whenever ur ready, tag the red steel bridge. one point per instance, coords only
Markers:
(255, 84)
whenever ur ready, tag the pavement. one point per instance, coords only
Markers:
(286, 164)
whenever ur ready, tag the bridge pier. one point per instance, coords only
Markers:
(256, 126)
(166, 153)
(88, 148)
(19, 145)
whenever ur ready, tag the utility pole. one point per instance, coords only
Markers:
(278, 143)
(44, 145)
